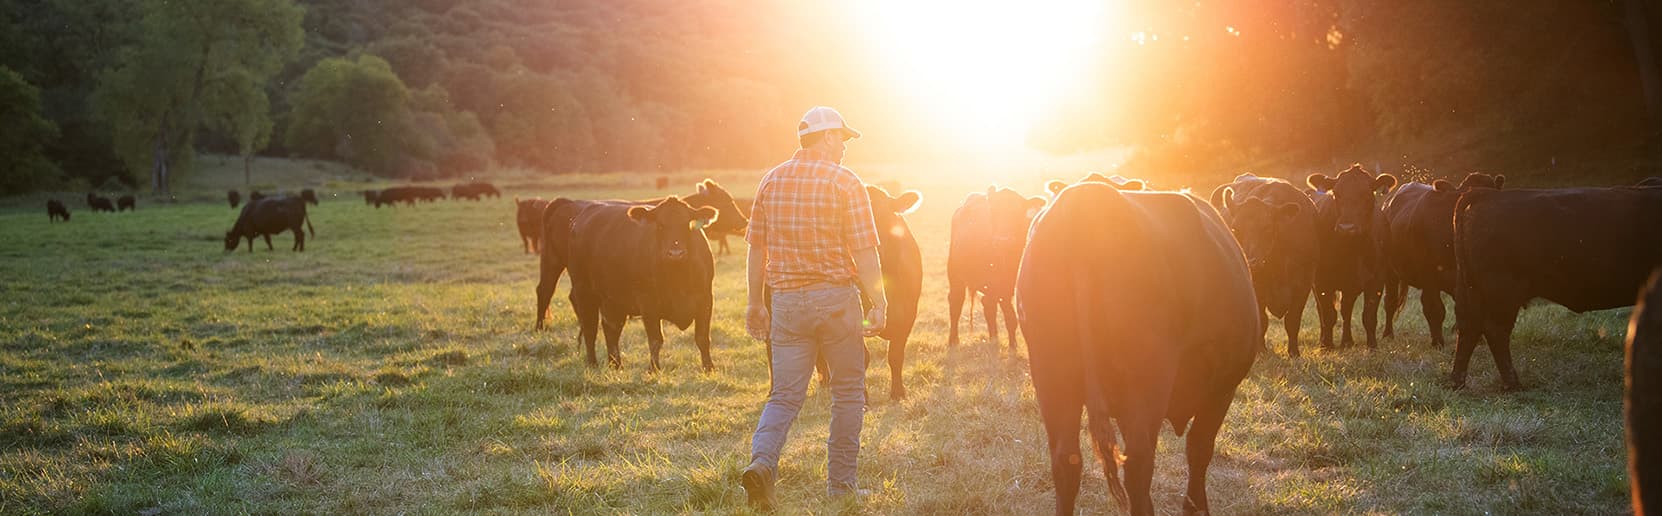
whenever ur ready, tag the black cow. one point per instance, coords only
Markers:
(394, 195)
(1275, 224)
(1347, 217)
(56, 210)
(1644, 398)
(1417, 246)
(902, 264)
(731, 222)
(1138, 308)
(233, 197)
(474, 191)
(370, 197)
(427, 193)
(528, 217)
(125, 203)
(309, 196)
(557, 219)
(1583, 248)
(270, 216)
(98, 203)
(648, 261)
(988, 233)
(744, 204)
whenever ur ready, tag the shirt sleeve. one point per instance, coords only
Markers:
(756, 233)
(861, 232)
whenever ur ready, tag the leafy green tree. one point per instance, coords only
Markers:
(23, 163)
(357, 111)
(194, 63)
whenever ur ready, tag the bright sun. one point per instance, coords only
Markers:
(984, 72)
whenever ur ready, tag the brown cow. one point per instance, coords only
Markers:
(637, 260)
(732, 222)
(269, 216)
(557, 219)
(1644, 398)
(1347, 215)
(1417, 246)
(1139, 309)
(720, 238)
(988, 233)
(902, 265)
(1583, 248)
(1275, 224)
(528, 216)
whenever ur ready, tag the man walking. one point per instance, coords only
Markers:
(813, 244)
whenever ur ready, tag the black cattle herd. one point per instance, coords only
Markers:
(1138, 306)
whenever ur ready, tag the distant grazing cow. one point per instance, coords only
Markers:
(407, 195)
(1583, 248)
(557, 220)
(1138, 308)
(270, 216)
(1275, 224)
(662, 182)
(1644, 398)
(528, 216)
(370, 197)
(233, 197)
(902, 265)
(125, 203)
(255, 195)
(1417, 246)
(56, 210)
(474, 191)
(309, 196)
(988, 233)
(427, 193)
(648, 261)
(98, 203)
(1347, 216)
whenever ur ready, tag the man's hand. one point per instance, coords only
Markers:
(874, 321)
(758, 322)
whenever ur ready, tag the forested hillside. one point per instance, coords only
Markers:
(95, 89)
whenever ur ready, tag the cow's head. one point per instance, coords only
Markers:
(1481, 180)
(1354, 196)
(729, 221)
(1258, 225)
(231, 241)
(677, 225)
(1011, 214)
(886, 211)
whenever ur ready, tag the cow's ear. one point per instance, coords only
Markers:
(706, 214)
(1442, 185)
(1287, 211)
(704, 187)
(640, 214)
(1055, 187)
(1097, 177)
(1320, 182)
(907, 202)
(1384, 182)
(991, 190)
(1500, 181)
(1134, 185)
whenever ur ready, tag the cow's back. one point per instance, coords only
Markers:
(1584, 248)
(1419, 235)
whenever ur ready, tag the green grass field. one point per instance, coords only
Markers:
(392, 368)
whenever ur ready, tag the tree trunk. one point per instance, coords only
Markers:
(158, 164)
(1644, 53)
(247, 162)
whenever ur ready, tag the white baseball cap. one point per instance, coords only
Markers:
(821, 118)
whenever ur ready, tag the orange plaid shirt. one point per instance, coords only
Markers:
(811, 214)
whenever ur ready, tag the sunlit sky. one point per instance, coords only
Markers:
(983, 72)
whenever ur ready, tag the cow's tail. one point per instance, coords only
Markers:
(1099, 412)
(551, 264)
(1466, 306)
(1217, 196)
(308, 218)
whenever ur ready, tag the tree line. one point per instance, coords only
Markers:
(423, 89)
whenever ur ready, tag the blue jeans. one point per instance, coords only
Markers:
(807, 324)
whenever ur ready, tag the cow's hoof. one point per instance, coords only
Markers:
(1454, 384)
(1292, 353)
(897, 394)
(1511, 385)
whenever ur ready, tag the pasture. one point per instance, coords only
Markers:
(392, 368)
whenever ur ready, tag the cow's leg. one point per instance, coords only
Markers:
(612, 325)
(955, 306)
(299, 239)
(701, 335)
(897, 361)
(1431, 301)
(268, 246)
(1203, 435)
(1370, 316)
(1469, 327)
(1395, 294)
(1009, 306)
(1327, 315)
(654, 339)
(1498, 327)
(552, 268)
(588, 323)
(989, 311)
(251, 243)
(1293, 320)
(1142, 434)
(1060, 411)
(1346, 308)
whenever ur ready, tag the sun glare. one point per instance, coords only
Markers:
(983, 72)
